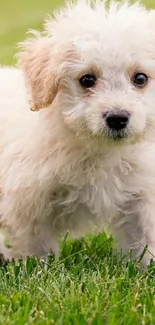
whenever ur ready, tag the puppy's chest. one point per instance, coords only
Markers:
(98, 188)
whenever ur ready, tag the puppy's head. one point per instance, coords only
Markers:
(100, 65)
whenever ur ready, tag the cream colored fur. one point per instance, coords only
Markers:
(60, 169)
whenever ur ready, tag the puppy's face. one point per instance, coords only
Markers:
(102, 75)
(107, 91)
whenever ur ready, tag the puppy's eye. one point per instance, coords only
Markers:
(140, 80)
(88, 81)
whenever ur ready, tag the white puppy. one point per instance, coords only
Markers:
(88, 158)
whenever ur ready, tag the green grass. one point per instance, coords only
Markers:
(88, 283)
(85, 285)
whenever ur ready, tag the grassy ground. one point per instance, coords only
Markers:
(86, 284)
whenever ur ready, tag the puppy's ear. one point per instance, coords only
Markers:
(37, 62)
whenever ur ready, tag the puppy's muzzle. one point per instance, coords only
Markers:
(117, 120)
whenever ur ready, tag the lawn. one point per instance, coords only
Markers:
(87, 283)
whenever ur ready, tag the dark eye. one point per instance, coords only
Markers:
(140, 80)
(88, 81)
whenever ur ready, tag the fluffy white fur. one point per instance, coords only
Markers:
(60, 167)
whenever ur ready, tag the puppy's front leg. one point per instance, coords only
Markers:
(134, 228)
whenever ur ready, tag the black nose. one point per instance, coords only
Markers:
(117, 120)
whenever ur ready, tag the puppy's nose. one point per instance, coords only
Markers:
(117, 120)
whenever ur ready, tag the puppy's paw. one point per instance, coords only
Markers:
(146, 258)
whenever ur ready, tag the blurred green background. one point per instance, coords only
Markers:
(17, 16)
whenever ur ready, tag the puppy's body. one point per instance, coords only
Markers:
(58, 171)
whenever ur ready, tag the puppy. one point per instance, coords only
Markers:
(86, 158)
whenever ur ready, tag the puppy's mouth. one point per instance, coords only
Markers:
(116, 135)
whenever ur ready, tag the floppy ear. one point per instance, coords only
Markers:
(36, 60)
